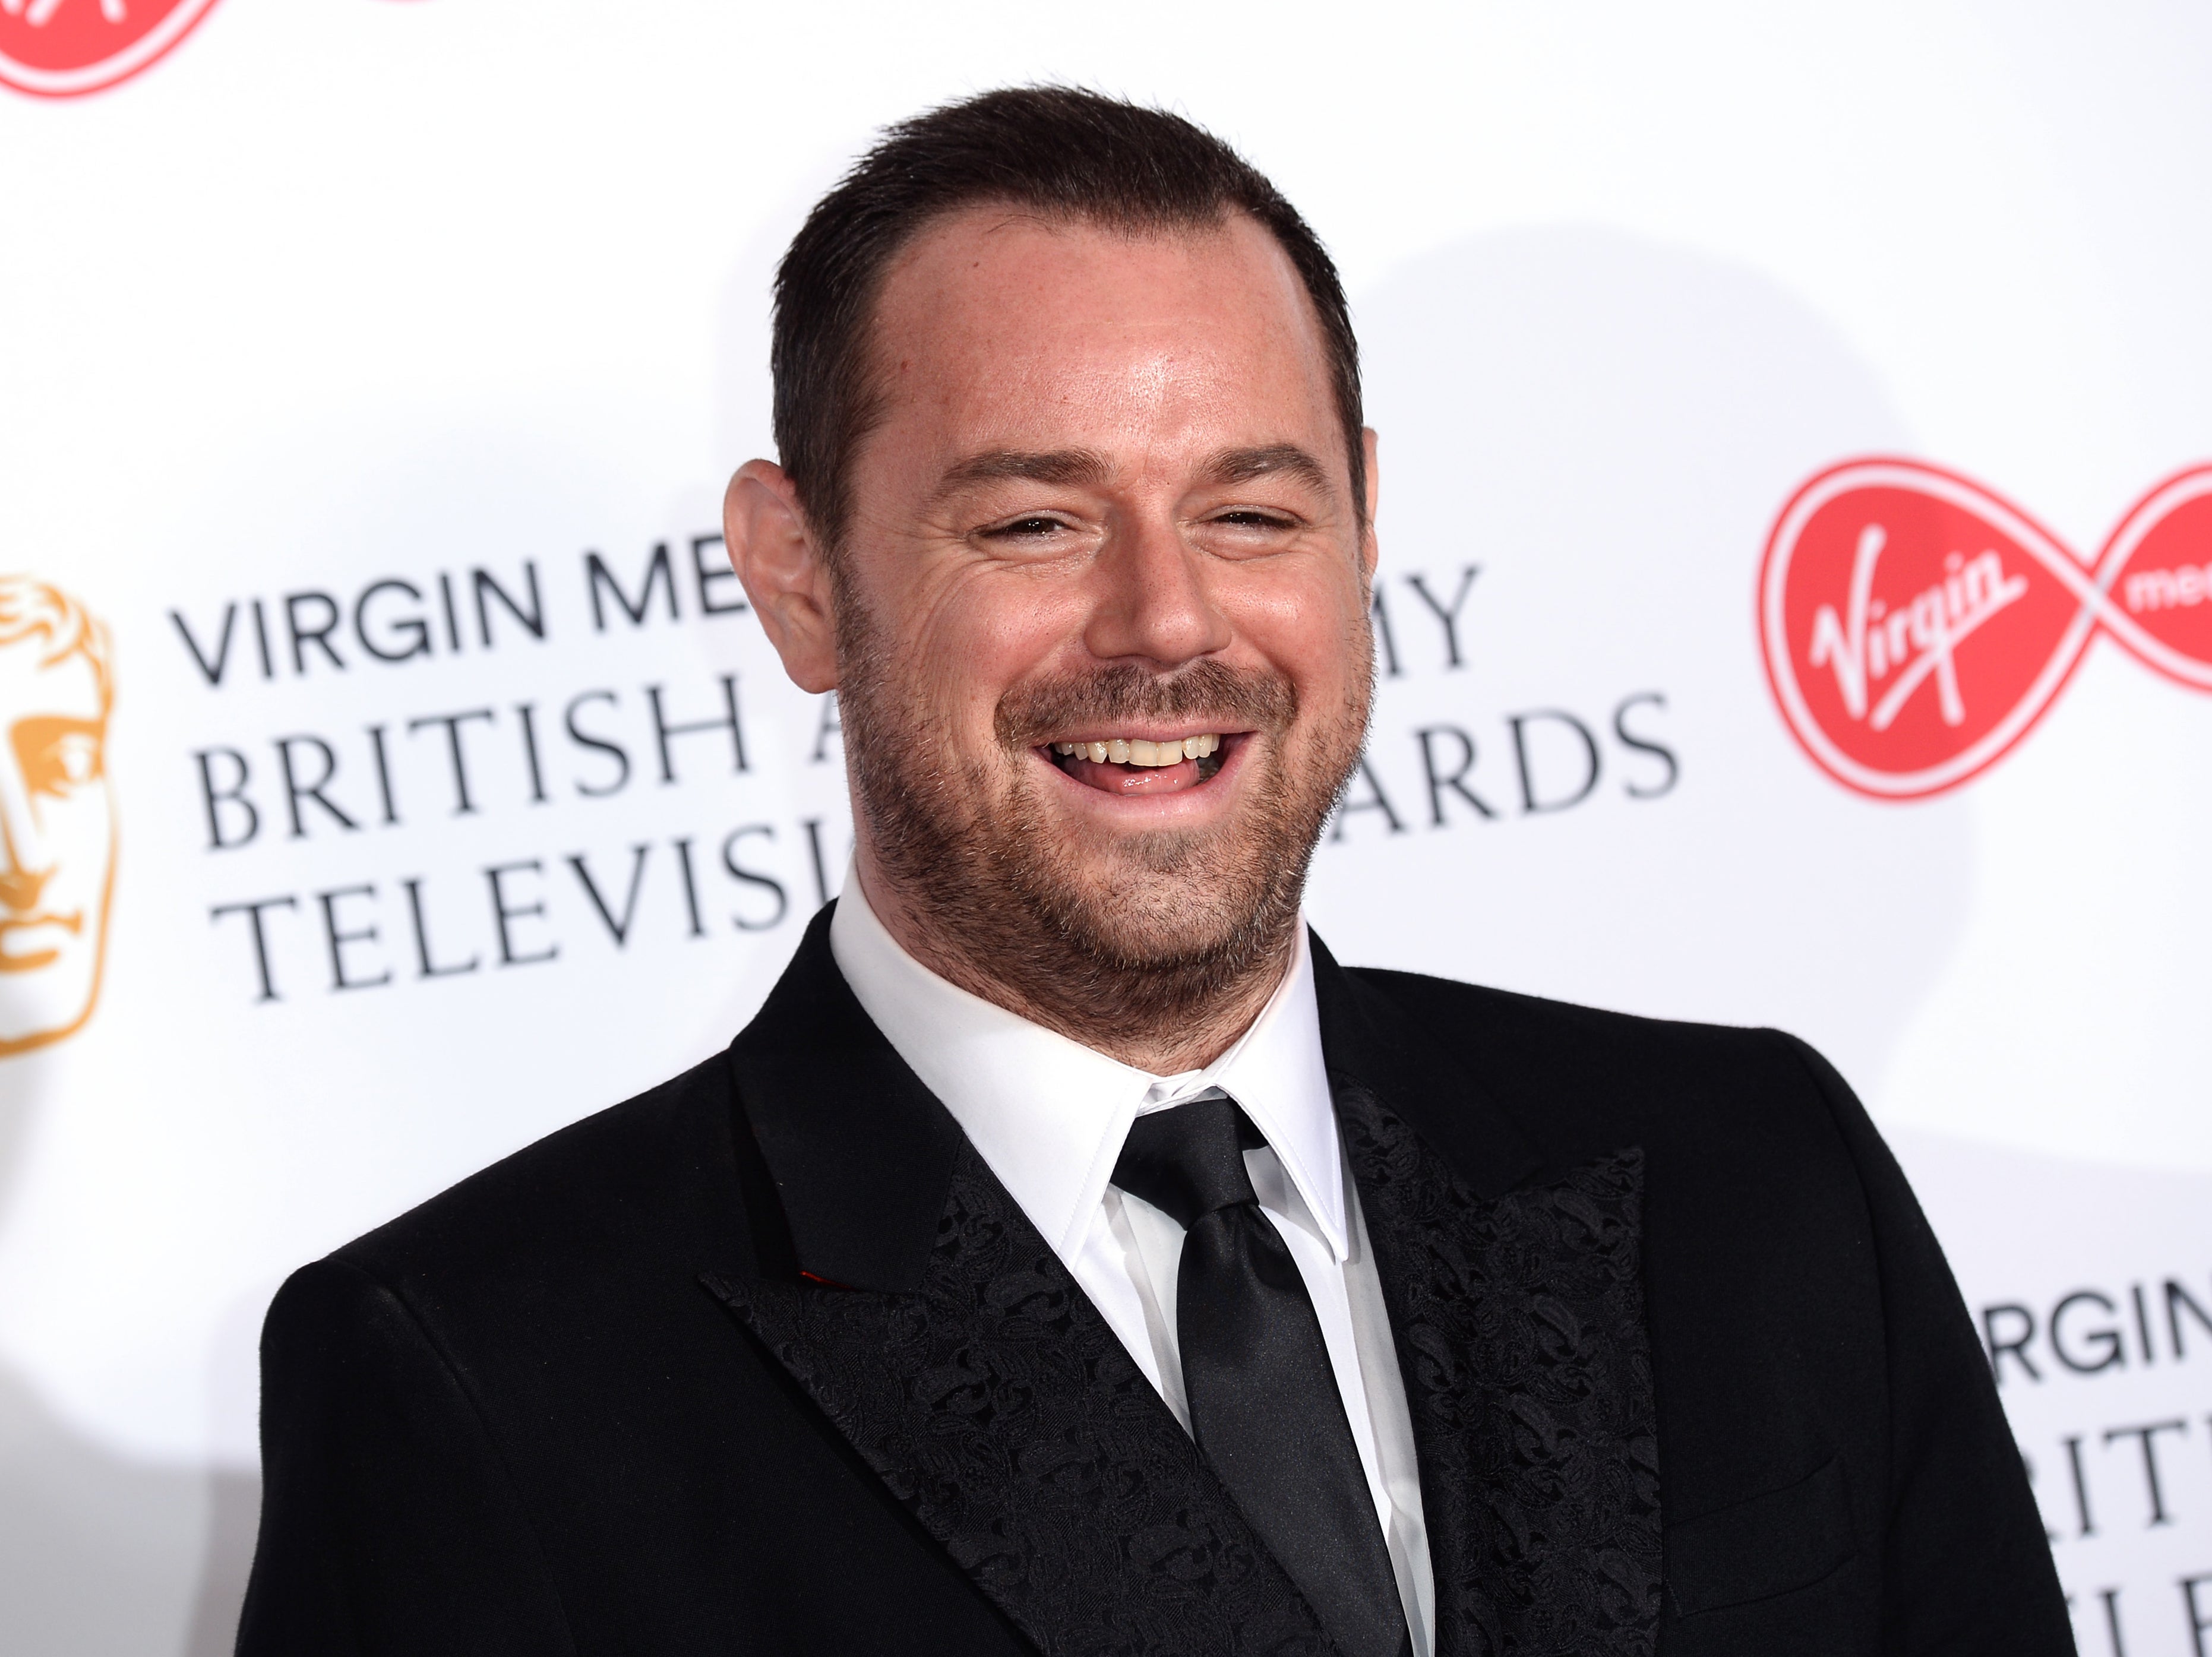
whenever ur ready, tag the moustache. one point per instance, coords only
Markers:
(1209, 693)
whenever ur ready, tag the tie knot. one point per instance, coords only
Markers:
(1188, 1160)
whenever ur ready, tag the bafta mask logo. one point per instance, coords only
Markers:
(57, 812)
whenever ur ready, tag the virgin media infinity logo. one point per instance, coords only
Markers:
(60, 48)
(1915, 625)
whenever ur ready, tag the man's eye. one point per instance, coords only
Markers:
(1250, 518)
(1027, 529)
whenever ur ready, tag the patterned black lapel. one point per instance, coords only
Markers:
(965, 1367)
(1519, 1324)
(999, 1408)
(1515, 1299)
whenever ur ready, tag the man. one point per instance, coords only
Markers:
(57, 813)
(1072, 1257)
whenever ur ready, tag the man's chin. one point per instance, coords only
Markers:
(1085, 912)
(1167, 871)
(1158, 902)
(1157, 938)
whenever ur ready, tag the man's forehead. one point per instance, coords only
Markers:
(1004, 331)
(1006, 278)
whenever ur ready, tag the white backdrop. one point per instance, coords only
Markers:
(343, 293)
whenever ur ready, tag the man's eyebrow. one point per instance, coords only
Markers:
(1064, 466)
(1242, 466)
(1075, 467)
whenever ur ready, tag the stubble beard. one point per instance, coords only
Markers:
(1176, 923)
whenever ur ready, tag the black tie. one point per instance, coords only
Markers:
(1264, 1406)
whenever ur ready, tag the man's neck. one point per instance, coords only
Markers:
(1192, 1038)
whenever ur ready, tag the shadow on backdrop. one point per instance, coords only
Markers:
(1586, 436)
(104, 1556)
(99, 1553)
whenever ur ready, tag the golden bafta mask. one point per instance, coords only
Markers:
(57, 812)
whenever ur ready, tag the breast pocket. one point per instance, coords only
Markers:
(1772, 1544)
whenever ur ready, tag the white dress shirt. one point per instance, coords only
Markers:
(1048, 1116)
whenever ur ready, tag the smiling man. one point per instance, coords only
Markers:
(1072, 1257)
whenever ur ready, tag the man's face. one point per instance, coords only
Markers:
(1107, 502)
(57, 845)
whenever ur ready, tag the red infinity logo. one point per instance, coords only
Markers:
(64, 48)
(1915, 627)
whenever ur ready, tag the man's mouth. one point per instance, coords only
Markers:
(1138, 765)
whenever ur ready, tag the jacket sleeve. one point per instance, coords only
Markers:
(388, 1523)
(1967, 1568)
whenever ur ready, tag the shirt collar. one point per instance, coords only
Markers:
(1048, 1115)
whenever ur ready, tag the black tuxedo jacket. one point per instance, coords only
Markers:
(767, 1361)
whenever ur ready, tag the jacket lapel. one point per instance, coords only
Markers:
(936, 1329)
(1516, 1299)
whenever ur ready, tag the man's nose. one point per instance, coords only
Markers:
(1155, 604)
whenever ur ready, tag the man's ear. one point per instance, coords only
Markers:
(773, 552)
(1369, 549)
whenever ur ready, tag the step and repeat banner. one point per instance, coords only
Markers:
(1796, 608)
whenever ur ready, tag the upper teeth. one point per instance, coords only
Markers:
(1137, 751)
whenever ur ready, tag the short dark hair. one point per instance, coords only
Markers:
(1057, 150)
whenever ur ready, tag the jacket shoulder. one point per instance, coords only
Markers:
(1505, 1025)
(1577, 1079)
(654, 1174)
